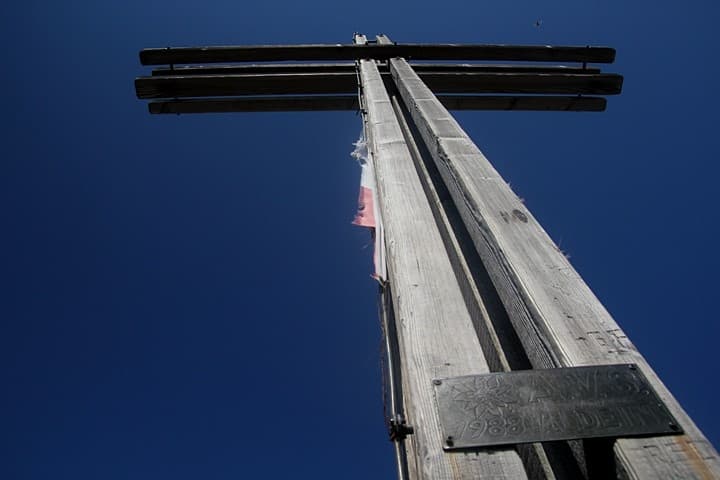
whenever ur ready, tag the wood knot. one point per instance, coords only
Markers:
(520, 215)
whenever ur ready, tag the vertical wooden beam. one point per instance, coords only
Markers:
(500, 346)
(557, 317)
(436, 334)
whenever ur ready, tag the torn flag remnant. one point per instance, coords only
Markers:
(368, 213)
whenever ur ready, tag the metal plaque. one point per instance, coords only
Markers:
(546, 405)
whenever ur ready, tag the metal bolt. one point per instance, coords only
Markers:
(450, 441)
(437, 382)
(632, 366)
(673, 426)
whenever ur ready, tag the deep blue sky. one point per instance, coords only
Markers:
(184, 297)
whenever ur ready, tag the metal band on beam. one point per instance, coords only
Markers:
(350, 67)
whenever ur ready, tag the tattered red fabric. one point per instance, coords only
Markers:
(368, 213)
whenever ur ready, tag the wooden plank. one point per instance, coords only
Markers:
(285, 103)
(435, 331)
(557, 317)
(552, 83)
(184, 86)
(221, 85)
(347, 67)
(530, 103)
(500, 349)
(289, 103)
(489, 68)
(274, 53)
(350, 67)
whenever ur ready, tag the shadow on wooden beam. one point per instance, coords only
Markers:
(334, 83)
(350, 102)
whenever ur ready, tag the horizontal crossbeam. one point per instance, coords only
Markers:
(350, 102)
(185, 86)
(347, 67)
(272, 53)
(279, 103)
(529, 103)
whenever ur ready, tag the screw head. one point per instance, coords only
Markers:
(437, 382)
(450, 441)
(673, 426)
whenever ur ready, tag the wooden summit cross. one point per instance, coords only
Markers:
(474, 285)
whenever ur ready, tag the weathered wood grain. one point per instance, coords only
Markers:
(272, 53)
(557, 317)
(291, 103)
(435, 331)
(500, 346)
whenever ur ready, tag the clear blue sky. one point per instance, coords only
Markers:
(184, 297)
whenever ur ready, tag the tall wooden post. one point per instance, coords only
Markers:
(435, 330)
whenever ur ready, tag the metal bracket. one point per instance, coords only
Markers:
(398, 428)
